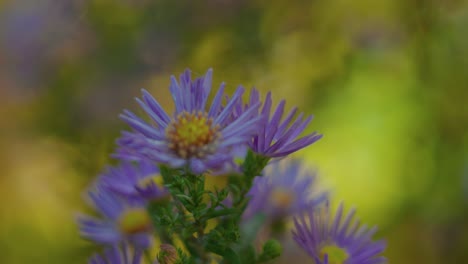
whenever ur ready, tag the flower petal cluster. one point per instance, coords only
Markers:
(285, 190)
(329, 239)
(141, 180)
(117, 255)
(197, 135)
(122, 221)
(277, 135)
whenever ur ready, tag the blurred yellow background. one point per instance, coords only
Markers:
(387, 82)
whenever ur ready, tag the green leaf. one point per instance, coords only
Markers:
(254, 164)
(167, 173)
(185, 198)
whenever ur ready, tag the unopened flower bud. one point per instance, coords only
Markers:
(168, 254)
(271, 250)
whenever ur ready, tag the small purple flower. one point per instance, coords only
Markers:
(122, 221)
(277, 136)
(117, 255)
(283, 191)
(196, 136)
(329, 240)
(135, 181)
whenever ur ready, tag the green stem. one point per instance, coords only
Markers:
(221, 212)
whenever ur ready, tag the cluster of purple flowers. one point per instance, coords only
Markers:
(209, 138)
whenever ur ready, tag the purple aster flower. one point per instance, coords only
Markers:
(135, 181)
(329, 240)
(117, 255)
(277, 136)
(122, 221)
(196, 135)
(283, 191)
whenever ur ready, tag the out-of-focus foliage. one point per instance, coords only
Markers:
(387, 81)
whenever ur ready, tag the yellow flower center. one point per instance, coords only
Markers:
(282, 197)
(148, 181)
(336, 255)
(134, 220)
(192, 135)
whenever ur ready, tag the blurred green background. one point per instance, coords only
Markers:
(386, 80)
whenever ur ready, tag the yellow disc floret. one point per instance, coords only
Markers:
(154, 179)
(192, 135)
(336, 255)
(282, 197)
(134, 220)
